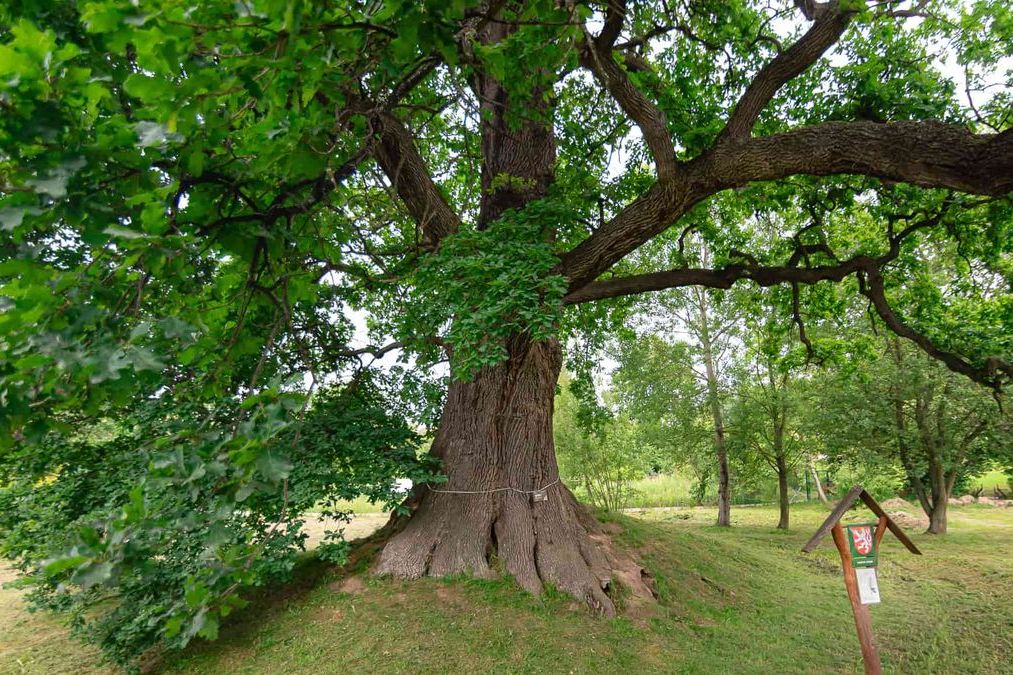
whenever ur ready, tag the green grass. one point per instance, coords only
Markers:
(989, 481)
(675, 489)
(662, 490)
(739, 600)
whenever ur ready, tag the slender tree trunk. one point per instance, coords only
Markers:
(781, 463)
(714, 400)
(495, 441)
(816, 480)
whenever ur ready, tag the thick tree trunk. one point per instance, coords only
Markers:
(495, 440)
(782, 492)
(942, 488)
(495, 436)
(937, 518)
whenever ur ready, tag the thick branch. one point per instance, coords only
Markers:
(992, 374)
(760, 274)
(825, 32)
(930, 154)
(615, 17)
(723, 277)
(401, 162)
(596, 56)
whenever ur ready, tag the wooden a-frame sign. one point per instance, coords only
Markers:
(859, 548)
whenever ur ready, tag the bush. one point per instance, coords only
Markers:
(147, 532)
(604, 466)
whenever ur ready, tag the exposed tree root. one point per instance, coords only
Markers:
(554, 542)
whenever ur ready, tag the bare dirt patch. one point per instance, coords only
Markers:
(909, 521)
(361, 525)
(350, 585)
(449, 595)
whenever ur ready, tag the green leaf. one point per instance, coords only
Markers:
(59, 565)
(122, 232)
(93, 574)
(273, 466)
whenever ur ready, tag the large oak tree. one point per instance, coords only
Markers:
(193, 193)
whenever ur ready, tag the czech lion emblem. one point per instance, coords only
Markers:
(862, 536)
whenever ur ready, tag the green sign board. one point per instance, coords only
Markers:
(862, 542)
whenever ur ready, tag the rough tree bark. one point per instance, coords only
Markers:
(495, 441)
(937, 518)
(496, 430)
(495, 434)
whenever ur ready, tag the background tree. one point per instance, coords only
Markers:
(907, 408)
(767, 399)
(655, 385)
(191, 196)
(706, 320)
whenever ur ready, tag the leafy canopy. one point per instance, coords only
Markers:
(195, 194)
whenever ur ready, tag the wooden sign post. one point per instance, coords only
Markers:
(858, 546)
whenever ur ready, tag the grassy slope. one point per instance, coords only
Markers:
(732, 601)
(994, 478)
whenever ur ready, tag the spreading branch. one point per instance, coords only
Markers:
(992, 374)
(868, 269)
(930, 154)
(596, 56)
(722, 278)
(409, 176)
(830, 23)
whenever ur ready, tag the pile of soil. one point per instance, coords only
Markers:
(908, 521)
(896, 503)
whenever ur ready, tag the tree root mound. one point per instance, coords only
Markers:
(556, 542)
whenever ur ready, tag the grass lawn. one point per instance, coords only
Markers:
(991, 480)
(739, 600)
(662, 490)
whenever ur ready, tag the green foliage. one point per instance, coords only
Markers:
(656, 386)
(881, 476)
(488, 285)
(165, 309)
(189, 208)
(153, 543)
(600, 464)
(899, 419)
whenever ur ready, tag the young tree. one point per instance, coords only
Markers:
(707, 321)
(655, 385)
(605, 464)
(253, 168)
(711, 336)
(766, 401)
(907, 408)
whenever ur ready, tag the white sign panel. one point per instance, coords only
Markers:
(868, 586)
